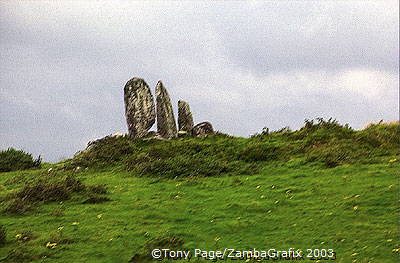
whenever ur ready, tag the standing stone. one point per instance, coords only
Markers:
(166, 125)
(202, 129)
(139, 107)
(185, 119)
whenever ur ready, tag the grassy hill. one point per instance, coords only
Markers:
(324, 186)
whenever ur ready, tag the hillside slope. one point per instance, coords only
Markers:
(324, 186)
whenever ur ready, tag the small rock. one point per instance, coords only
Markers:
(182, 133)
(118, 134)
(202, 129)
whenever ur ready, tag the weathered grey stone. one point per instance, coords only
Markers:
(139, 107)
(166, 125)
(202, 129)
(185, 118)
(182, 134)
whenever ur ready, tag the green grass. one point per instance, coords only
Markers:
(285, 195)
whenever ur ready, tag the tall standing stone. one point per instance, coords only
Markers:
(166, 126)
(139, 107)
(185, 118)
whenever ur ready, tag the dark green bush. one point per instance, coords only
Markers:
(381, 135)
(30, 195)
(13, 160)
(262, 152)
(181, 166)
(18, 207)
(320, 131)
(103, 152)
(97, 189)
(54, 191)
(211, 156)
(320, 141)
(96, 199)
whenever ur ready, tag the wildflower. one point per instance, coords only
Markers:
(355, 207)
(51, 245)
(258, 186)
(60, 228)
(392, 160)
(262, 197)
(217, 239)
(396, 250)
(99, 216)
(18, 236)
(75, 223)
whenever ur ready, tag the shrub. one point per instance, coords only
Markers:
(182, 166)
(336, 153)
(262, 152)
(53, 191)
(12, 160)
(381, 135)
(103, 152)
(26, 198)
(321, 131)
(2, 235)
(18, 207)
(97, 189)
(210, 156)
(96, 199)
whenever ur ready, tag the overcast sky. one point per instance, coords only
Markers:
(240, 65)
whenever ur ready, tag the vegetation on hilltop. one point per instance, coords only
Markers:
(322, 186)
(12, 160)
(320, 142)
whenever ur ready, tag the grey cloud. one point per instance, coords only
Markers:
(241, 66)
